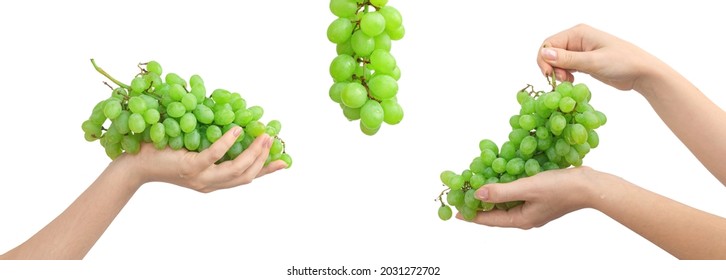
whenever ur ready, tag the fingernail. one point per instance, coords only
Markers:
(237, 130)
(269, 142)
(482, 194)
(549, 54)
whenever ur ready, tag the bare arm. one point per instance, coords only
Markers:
(681, 230)
(694, 119)
(72, 234)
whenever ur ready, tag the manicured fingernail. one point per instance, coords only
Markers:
(237, 130)
(482, 194)
(549, 54)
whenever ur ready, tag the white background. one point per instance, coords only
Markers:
(349, 199)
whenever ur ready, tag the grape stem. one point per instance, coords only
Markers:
(441, 195)
(554, 81)
(108, 76)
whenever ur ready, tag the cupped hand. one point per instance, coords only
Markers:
(547, 196)
(603, 56)
(199, 171)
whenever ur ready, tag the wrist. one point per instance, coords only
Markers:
(128, 171)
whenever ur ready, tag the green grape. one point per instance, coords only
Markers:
(112, 109)
(517, 135)
(91, 129)
(345, 48)
(602, 119)
(550, 166)
(565, 89)
(131, 144)
(199, 92)
(152, 116)
(382, 42)
(139, 85)
(578, 133)
(515, 166)
(372, 24)
(287, 159)
(340, 30)
(350, 113)
(112, 135)
(367, 130)
(379, 3)
(396, 74)
(354, 95)
(192, 140)
(213, 133)
(523, 96)
(275, 124)
(255, 128)
(151, 103)
(152, 80)
(542, 132)
(552, 100)
(593, 139)
(506, 178)
(383, 86)
(157, 132)
(445, 212)
(487, 157)
(196, 81)
(445, 176)
(241, 117)
(221, 96)
(204, 144)
(154, 67)
(177, 92)
(172, 127)
(468, 213)
(176, 143)
(137, 123)
(456, 182)
(557, 124)
(391, 17)
(544, 144)
(189, 101)
(567, 104)
(561, 147)
(113, 150)
(204, 115)
(392, 112)
(343, 8)
(382, 61)
(276, 147)
(470, 200)
(371, 114)
(176, 109)
(487, 144)
(336, 90)
(508, 150)
(257, 112)
(527, 122)
(477, 165)
(528, 145)
(580, 93)
(235, 150)
(499, 165)
(224, 117)
(455, 197)
(572, 157)
(97, 115)
(137, 105)
(162, 143)
(582, 149)
(270, 131)
(174, 79)
(477, 180)
(531, 167)
(362, 44)
(188, 123)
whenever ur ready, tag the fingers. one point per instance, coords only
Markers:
(253, 169)
(272, 167)
(513, 218)
(496, 193)
(561, 51)
(215, 152)
(564, 59)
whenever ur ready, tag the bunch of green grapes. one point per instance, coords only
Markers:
(553, 130)
(171, 112)
(365, 73)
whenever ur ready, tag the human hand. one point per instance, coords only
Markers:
(603, 56)
(198, 171)
(547, 196)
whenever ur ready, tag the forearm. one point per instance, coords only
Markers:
(683, 231)
(72, 234)
(692, 117)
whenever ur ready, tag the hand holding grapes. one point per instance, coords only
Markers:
(603, 56)
(198, 171)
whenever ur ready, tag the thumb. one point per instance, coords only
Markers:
(564, 59)
(497, 193)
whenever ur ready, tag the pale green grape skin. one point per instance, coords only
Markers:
(354, 95)
(152, 116)
(196, 81)
(172, 127)
(255, 128)
(580, 93)
(189, 101)
(456, 182)
(157, 132)
(455, 197)
(487, 144)
(130, 144)
(382, 61)
(477, 180)
(343, 8)
(362, 44)
(470, 200)
(175, 109)
(565, 89)
(213, 133)
(391, 17)
(350, 113)
(276, 125)
(379, 3)
(382, 42)
(508, 151)
(372, 24)
(241, 117)
(368, 130)
(527, 122)
(204, 114)
(138, 85)
(578, 133)
(345, 48)
(174, 79)
(468, 213)
(154, 67)
(593, 139)
(445, 176)
(287, 159)
(515, 166)
(531, 167)
(257, 112)
(340, 30)
(477, 165)
(224, 117)
(567, 104)
(112, 109)
(137, 123)
(398, 33)
(188, 123)
(528, 145)
(445, 212)
(371, 114)
(137, 105)
(392, 112)
(383, 86)
(499, 165)
(488, 156)
(177, 92)
(176, 143)
(336, 90)
(192, 140)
